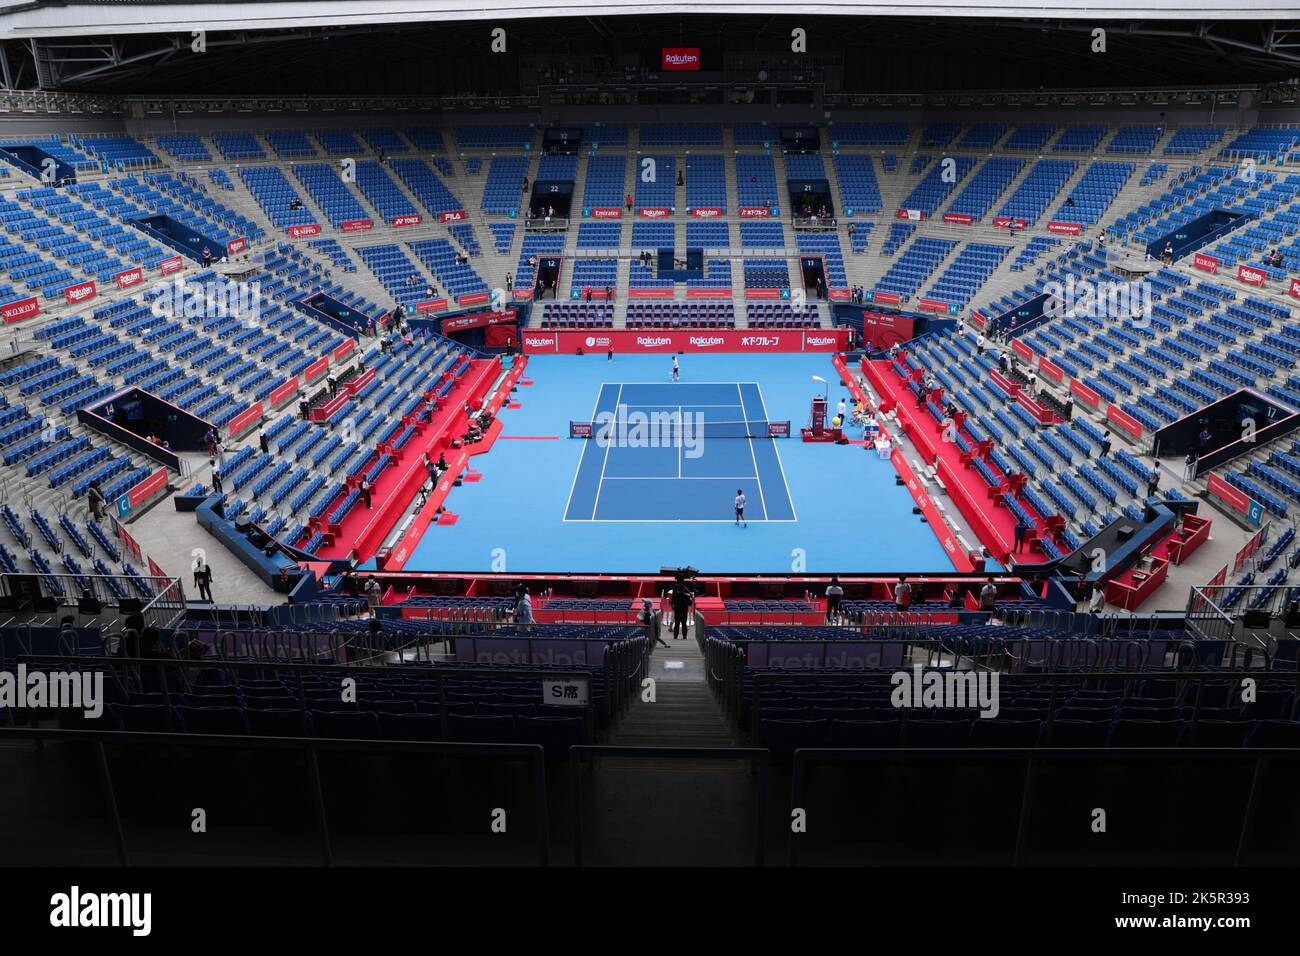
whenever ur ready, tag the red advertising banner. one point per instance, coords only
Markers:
(1051, 370)
(357, 225)
(762, 293)
(606, 212)
(344, 350)
(1248, 549)
(148, 487)
(316, 369)
(1084, 394)
(473, 298)
(1205, 263)
(1006, 222)
(668, 341)
(129, 278)
(454, 215)
(399, 221)
(883, 329)
(476, 320)
(957, 555)
(1064, 228)
(893, 298)
(1293, 288)
(913, 214)
(80, 292)
(978, 318)
(236, 245)
(432, 305)
(1224, 491)
(839, 294)
(699, 293)
(284, 391)
(1250, 276)
(154, 569)
(1124, 421)
(247, 417)
(128, 542)
(168, 266)
(652, 294)
(680, 58)
(310, 229)
(932, 305)
(961, 218)
(1220, 577)
(1023, 350)
(523, 295)
(20, 309)
(754, 212)
(654, 212)
(707, 212)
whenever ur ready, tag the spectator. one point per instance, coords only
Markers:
(1021, 530)
(364, 488)
(650, 618)
(1189, 465)
(97, 500)
(681, 604)
(374, 593)
(989, 597)
(523, 607)
(1105, 444)
(902, 595)
(1069, 406)
(263, 440)
(216, 478)
(1153, 482)
(203, 578)
(834, 594)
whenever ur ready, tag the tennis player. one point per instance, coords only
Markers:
(676, 369)
(740, 508)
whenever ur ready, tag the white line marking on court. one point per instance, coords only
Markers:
(604, 464)
(758, 479)
(794, 514)
(585, 447)
(679, 444)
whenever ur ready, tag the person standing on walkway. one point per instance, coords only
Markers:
(681, 602)
(650, 618)
(834, 594)
(1021, 530)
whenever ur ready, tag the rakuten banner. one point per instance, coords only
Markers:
(236, 245)
(680, 58)
(707, 212)
(129, 278)
(79, 292)
(654, 212)
(669, 341)
(1293, 288)
(1250, 276)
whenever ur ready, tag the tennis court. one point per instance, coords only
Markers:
(658, 451)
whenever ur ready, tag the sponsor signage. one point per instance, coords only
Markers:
(1124, 421)
(1023, 350)
(654, 212)
(932, 305)
(763, 293)
(1006, 222)
(707, 212)
(840, 294)
(667, 341)
(168, 266)
(1221, 489)
(754, 212)
(236, 245)
(79, 292)
(430, 305)
(245, 418)
(473, 298)
(1084, 394)
(581, 430)
(702, 293)
(1205, 263)
(893, 298)
(284, 391)
(399, 221)
(646, 294)
(979, 319)
(455, 215)
(1293, 288)
(316, 369)
(1064, 228)
(344, 350)
(680, 58)
(913, 214)
(961, 218)
(476, 320)
(357, 225)
(1050, 370)
(606, 212)
(129, 278)
(149, 486)
(1249, 275)
(20, 309)
(310, 229)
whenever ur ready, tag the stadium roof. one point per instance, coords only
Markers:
(54, 18)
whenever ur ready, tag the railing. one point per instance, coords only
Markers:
(161, 610)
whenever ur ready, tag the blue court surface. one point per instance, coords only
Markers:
(679, 454)
(548, 502)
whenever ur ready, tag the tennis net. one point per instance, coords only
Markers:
(657, 429)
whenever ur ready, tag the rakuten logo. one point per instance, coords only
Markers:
(707, 341)
(77, 293)
(821, 340)
(539, 341)
(653, 341)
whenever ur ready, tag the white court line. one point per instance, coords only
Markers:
(758, 479)
(585, 446)
(682, 478)
(605, 463)
(776, 450)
